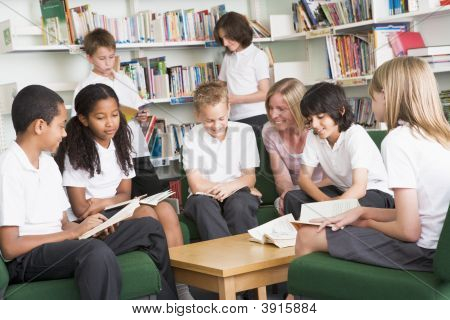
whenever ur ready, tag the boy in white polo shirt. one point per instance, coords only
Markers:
(220, 159)
(348, 156)
(37, 241)
(100, 47)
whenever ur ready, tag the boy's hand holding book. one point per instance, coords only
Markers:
(222, 191)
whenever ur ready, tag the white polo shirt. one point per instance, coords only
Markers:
(221, 161)
(126, 92)
(354, 149)
(422, 164)
(241, 71)
(103, 185)
(32, 199)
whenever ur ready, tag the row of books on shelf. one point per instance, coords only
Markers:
(360, 54)
(312, 14)
(153, 80)
(350, 55)
(164, 141)
(64, 25)
(362, 110)
(404, 6)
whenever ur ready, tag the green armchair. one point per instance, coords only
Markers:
(140, 279)
(319, 276)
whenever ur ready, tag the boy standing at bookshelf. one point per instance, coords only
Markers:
(37, 241)
(100, 47)
(220, 157)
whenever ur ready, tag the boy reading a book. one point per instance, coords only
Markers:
(37, 241)
(220, 157)
(100, 47)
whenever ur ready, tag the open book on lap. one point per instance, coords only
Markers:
(123, 210)
(122, 214)
(279, 231)
(324, 209)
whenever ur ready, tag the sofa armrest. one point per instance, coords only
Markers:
(4, 278)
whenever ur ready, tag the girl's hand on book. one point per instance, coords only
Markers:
(95, 206)
(351, 217)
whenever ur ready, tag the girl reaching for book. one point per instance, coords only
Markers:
(95, 160)
(416, 153)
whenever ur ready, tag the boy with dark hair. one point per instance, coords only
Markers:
(36, 239)
(348, 156)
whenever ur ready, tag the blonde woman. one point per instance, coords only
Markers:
(284, 136)
(416, 153)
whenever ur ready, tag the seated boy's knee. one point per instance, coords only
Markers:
(150, 224)
(97, 249)
(201, 201)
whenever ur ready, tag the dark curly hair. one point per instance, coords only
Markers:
(236, 27)
(328, 98)
(79, 145)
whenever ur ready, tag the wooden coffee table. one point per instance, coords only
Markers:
(229, 265)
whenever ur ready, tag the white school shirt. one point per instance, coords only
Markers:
(422, 164)
(354, 149)
(126, 92)
(221, 161)
(31, 199)
(241, 71)
(103, 185)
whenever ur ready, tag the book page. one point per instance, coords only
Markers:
(325, 209)
(119, 216)
(120, 204)
(156, 198)
(277, 228)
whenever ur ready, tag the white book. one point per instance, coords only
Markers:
(128, 210)
(429, 51)
(123, 214)
(324, 209)
(279, 231)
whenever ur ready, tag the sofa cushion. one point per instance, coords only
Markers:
(320, 276)
(441, 261)
(140, 278)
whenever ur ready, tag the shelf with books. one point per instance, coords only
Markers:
(382, 13)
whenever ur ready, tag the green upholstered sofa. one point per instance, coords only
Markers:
(320, 276)
(140, 279)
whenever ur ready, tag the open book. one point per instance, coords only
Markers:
(279, 231)
(324, 209)
(127, 209)
(123, 214)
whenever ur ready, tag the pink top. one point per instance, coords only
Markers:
(274, 143)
